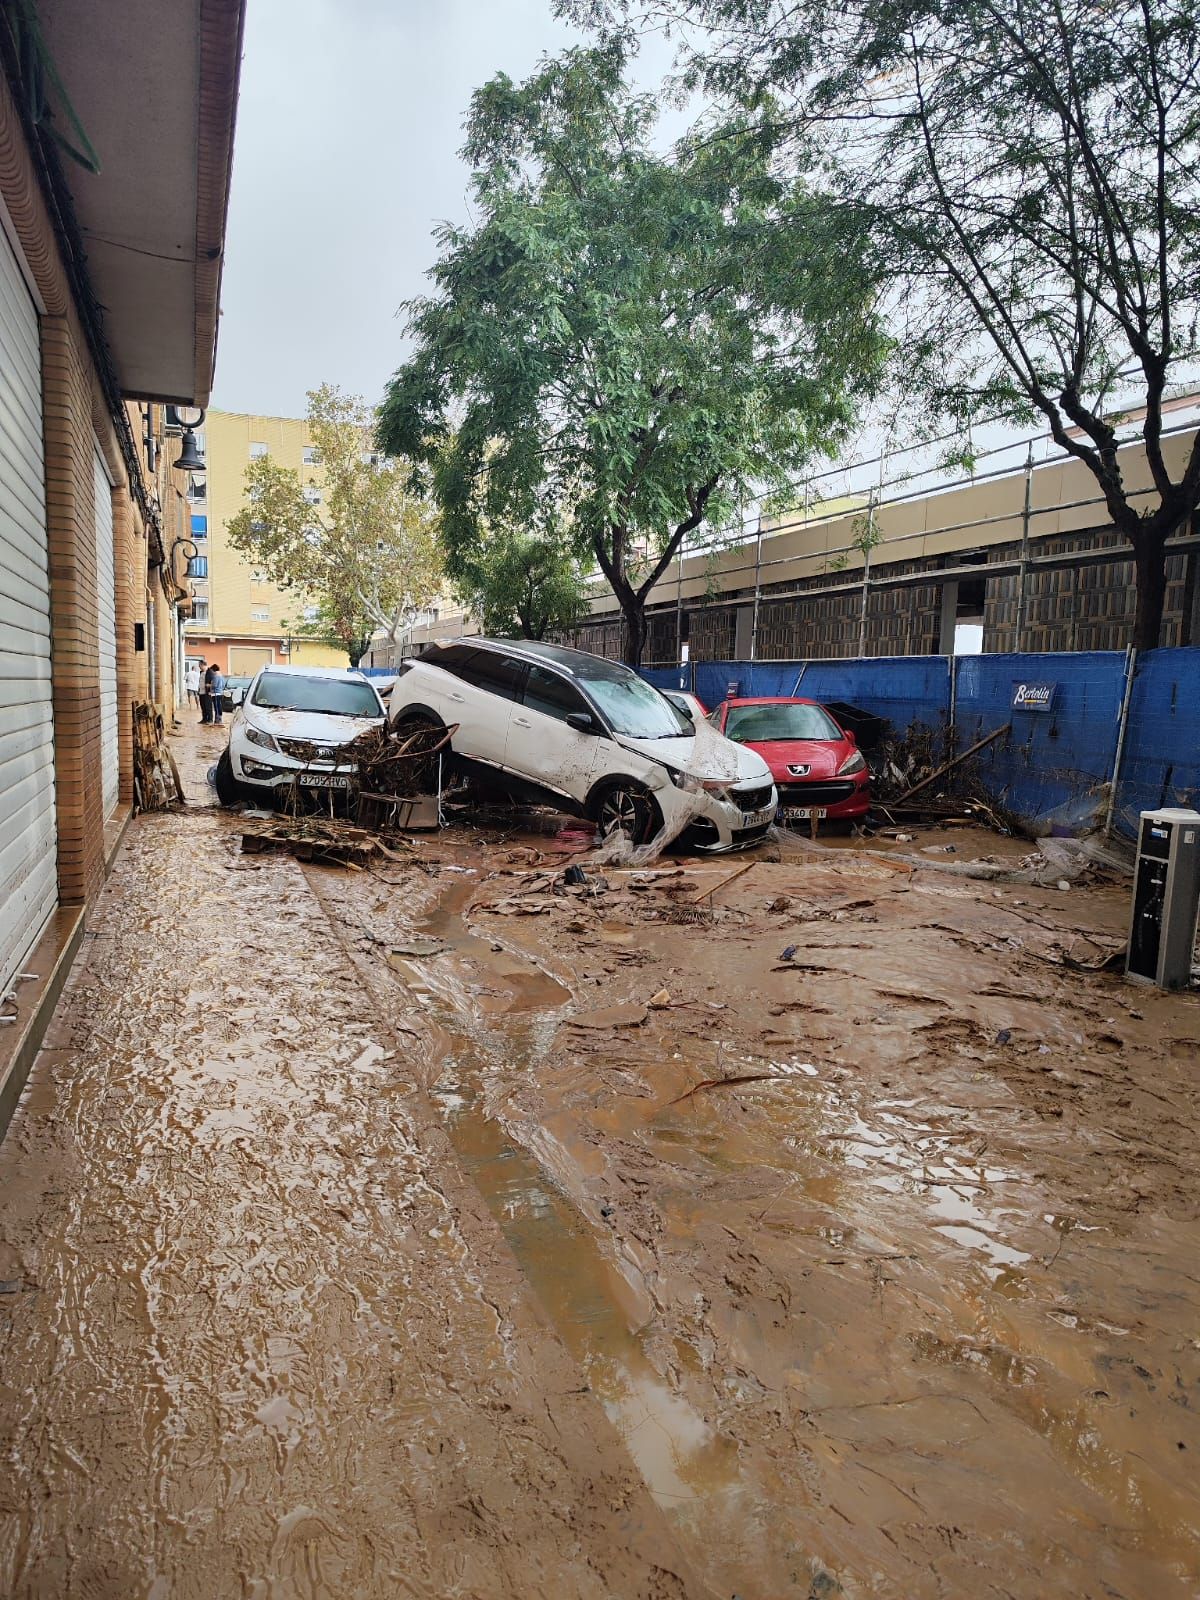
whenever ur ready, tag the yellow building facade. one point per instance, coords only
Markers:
(241, 620)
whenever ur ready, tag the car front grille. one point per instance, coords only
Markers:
(752, 799)
(309, 750)
(828, 793)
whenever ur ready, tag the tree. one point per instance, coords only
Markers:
(362, 547)
(520, 584)
(1027, 172)
(626, 342)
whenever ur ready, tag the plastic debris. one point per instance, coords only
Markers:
(660, 1000)
(786, 955)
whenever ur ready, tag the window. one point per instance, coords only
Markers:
(751, 723)
(451, 658)
(198, 567)
(551, 695)
(371, 458)
(630, 704)
(259, 576)
(198, 489)
(199, 526)
(312, 613)
(499, 675)
(311, 456)
(260, 613)
(258, 451)
(335, 697)
(312, 494)
(199, 610)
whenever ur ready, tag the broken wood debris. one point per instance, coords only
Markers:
(318, 839)
(156, 783)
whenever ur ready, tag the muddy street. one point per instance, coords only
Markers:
(430, 1231)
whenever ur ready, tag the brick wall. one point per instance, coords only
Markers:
(74, 601)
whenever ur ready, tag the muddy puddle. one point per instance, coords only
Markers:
(822, 1272)
(492, 1012)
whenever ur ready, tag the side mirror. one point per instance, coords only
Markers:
(581, 721)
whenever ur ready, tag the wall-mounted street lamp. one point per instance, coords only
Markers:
(190, 458)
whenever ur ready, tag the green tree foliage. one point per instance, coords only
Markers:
(520, 585)
(626, 341)
(365, 554)
(1028, 173)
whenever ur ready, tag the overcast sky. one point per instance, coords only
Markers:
(348, 130)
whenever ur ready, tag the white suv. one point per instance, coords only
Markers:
(289, 727)
(589, 736)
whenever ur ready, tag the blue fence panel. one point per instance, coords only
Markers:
(1161, 762)
(1053, 767)
(902, 689)
(667, 677)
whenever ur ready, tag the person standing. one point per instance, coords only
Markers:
(218, 689)
(191, 682)
(206, 714)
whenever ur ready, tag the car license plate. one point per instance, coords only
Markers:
(755, 819)
(802, 813)
(324, 780)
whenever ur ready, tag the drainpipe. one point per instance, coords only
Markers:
(757, 571)
(679, 609)
(1023, 571)
(1130, 663)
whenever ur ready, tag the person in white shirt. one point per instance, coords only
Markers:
(191, 682)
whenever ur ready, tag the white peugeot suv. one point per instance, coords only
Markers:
(588, 735)
(289, 728)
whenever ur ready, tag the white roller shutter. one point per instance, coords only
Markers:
(107, 597)
(28, 864)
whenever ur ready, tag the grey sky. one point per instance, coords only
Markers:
(349, 125)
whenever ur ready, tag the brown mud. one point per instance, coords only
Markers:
(334, 1267)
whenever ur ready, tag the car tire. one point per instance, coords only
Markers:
(411, 721)
(629, 806)
(229, 790)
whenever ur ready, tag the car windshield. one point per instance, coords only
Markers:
(753, 724)
(631, 705)
(335, 697)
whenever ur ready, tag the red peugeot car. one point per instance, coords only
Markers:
(817, 766)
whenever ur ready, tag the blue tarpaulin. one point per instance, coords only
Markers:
(1053, 768)
(1160, 765)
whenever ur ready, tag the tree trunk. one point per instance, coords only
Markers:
(634, 612)
(1150, 566)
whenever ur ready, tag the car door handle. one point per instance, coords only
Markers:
(454, 696)
(522, 722)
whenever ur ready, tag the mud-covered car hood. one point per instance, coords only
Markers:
(704, 753)
(317, 726)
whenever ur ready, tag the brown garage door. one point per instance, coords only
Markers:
(245, 659)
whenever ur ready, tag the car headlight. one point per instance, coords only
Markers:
(691, 784)
(852, 763)
(257, 736)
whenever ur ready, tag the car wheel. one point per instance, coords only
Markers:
(628, 807)
(229, 790)
(414, 721)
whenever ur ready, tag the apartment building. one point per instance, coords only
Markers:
(239, 618)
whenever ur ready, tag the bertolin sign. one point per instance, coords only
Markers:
(1033, 696)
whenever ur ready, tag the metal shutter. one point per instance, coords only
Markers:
(28, 864)
(110, 766)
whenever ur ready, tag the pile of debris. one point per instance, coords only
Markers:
(911, 786)
(156, 782)
(318, 839)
